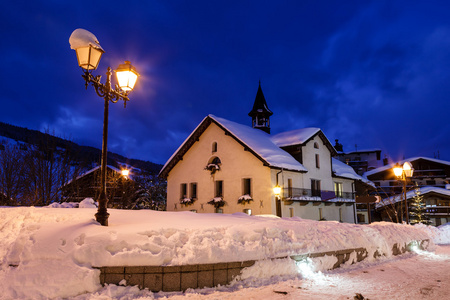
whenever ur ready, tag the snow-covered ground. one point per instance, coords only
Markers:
(50, 253)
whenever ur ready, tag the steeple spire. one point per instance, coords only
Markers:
(260, 112)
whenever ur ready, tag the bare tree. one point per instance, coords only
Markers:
(47, 168)
(11, 174)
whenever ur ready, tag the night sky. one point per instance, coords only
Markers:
(371, 73)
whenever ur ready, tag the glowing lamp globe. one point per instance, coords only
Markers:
(408, 169)
(277, 190)
(126, 76)
(398, 170)
(89, 57)
(125, 172)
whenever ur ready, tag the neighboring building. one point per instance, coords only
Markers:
(87, 185)
(226, 167)
(437, 201)
(360, 160)
(428, 172)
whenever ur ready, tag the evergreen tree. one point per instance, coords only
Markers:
(417, 211)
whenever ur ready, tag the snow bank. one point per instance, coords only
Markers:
(49, 252)
(440, 235)
(86, 203)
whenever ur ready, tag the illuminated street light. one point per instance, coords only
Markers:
(89, 52)
(277, 190)
(125, 173)
(402, 173)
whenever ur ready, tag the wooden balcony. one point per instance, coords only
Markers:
(301, 194)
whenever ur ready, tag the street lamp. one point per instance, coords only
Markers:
(89, 52)
(277, 187)
(277, 190)
(125, 173)
(402, 173)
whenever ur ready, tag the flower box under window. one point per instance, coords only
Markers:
(217, 202)
(245, 199)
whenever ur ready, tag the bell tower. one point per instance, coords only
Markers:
(260, 113)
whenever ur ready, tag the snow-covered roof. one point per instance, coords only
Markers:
(360, 151)
(412, 193)
(294, 137)
(94, 169)
(390, 166)
(260, 142)
(343, 170)
(257, 141)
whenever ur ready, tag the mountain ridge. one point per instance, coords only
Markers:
(87, 153)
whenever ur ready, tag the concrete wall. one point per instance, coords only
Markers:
(181, 278)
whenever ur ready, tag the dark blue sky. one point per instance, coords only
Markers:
(371, 73)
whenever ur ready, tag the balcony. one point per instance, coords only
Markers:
(438, 210)
(301, 194)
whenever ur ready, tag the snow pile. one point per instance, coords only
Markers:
(50, 252)
(440, 235)
(86, 203)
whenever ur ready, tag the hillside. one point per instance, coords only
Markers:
(79, 153)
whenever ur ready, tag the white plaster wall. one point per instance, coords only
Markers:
(236, 165)
(309, 161)
(330, 213)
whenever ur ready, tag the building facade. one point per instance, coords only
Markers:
(226, 167)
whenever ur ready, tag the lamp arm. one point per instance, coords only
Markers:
(104, 91)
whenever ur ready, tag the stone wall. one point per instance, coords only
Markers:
(181, 278)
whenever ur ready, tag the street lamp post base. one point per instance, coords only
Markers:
(102, 217)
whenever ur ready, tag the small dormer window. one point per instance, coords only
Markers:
(214, 147)
(316, 145)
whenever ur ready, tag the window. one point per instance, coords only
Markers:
(219, 189)
(213, 164)
(317, 161)
(247, 186)
(316, 145)
(291, 212)
(214, 147)
(248, 211)
(340, 214)
(289, 187)
(183, 190)
(193, 190)
(338, 189)
(315, 187)
(320, 214)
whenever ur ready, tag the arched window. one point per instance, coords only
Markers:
(316, 145)
(214, 147)
(213, 164)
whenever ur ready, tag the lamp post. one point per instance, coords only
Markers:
(89, 53)
(402, 173)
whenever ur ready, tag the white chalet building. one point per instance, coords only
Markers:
(226, 167)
